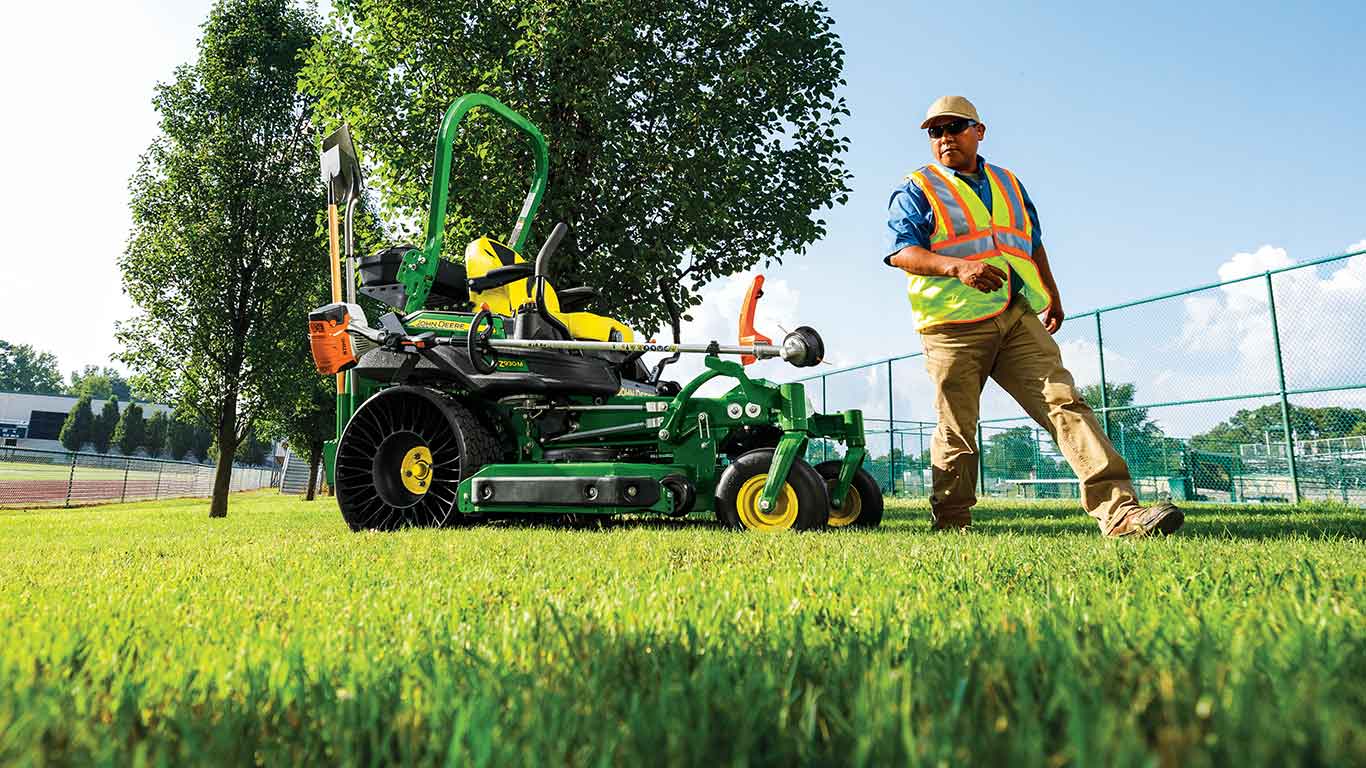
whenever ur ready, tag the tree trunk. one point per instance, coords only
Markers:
(315, 457)
(227, 448)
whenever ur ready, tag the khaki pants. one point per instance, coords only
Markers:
(1015, 350)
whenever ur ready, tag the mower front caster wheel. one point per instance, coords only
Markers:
(862, 507)
(803, 504)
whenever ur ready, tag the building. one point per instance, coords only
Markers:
(35, 421)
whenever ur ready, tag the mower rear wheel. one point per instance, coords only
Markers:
(402, 456)
(803, 504)
(862, 506)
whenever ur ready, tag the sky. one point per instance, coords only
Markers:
(1165, 145)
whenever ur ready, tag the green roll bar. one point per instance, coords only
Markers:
(419, 266)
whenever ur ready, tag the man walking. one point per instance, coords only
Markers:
(968, 236)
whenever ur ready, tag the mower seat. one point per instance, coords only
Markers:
(379, 280)
(485, 254)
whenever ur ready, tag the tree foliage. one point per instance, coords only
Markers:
(254, 450)
(154, 439)
(25, 369)
(308, 423)
(1258, 425)
(689, 139)
(224, 206)
(102, 433)
(79, 427)
(1012, 452)
(131, 431)
(100, 383)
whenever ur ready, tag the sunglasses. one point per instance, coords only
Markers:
(953, 129)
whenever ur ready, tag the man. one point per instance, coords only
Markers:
(967, 234)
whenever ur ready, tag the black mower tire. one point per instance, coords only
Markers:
(377, 444)
(865, 496)
(738, 491)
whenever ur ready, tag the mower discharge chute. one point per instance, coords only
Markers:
(489, 392)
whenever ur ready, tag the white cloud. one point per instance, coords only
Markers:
(1321, 317)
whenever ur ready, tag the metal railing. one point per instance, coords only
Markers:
(39, 478)
(1250, 389)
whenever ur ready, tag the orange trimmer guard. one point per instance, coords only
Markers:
(328, 340)
(749, 336)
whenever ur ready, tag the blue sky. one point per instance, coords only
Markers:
(1158, 141)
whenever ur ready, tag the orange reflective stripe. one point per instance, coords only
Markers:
(1010, 203)
(1027, 225)
(962, 204)
(982, 235)
(1013, 251)
(941, 215)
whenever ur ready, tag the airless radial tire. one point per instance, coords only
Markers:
(402, 457)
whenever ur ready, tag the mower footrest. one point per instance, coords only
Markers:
(565, 491)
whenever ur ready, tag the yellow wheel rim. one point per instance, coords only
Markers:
(416, 470)
(781, 518)
(847, 514)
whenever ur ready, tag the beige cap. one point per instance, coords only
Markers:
(954, 106)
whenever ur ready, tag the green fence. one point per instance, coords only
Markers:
(1252, 389)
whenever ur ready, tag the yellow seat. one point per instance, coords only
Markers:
(486, 254)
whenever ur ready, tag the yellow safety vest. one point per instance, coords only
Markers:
(963, 228)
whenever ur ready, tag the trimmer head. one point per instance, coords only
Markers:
(803, 347)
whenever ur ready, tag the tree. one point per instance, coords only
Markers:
(25, 369)
(1121, 396)
(1146, 449)
(1259, 425)
(79, 427)
(223, 246)
(690, 139)
(155, 439)
(202, 443)
(254, 449)
(103, 432)
(307, 424)
(131, 431)
(1011, 452)
(100, 383)
(180, 438)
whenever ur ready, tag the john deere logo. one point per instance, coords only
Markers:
(439, 325)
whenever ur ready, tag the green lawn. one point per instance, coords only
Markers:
(21, 470)
(278, 637)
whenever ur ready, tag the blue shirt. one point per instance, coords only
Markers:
(910, 219)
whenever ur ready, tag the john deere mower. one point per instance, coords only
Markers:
(490, 392)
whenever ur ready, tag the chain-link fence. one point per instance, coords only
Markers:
(1252, 389)
(37, 478)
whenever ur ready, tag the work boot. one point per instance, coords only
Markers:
(1163, 517)
(951, 521)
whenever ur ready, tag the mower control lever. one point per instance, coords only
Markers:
(477, 342)
(548, 249)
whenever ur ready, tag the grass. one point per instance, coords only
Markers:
(147, 632)
(18, 470)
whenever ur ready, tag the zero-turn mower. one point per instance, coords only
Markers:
(490, 392)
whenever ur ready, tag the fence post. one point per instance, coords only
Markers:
(156, 494)
(70, 478)
(981, 461)
(123, 494)
(825, 444)
(891, 434)
(1104, 394)
(1285, 402)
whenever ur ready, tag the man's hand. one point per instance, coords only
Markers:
(1052, 317)
(980, 275)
